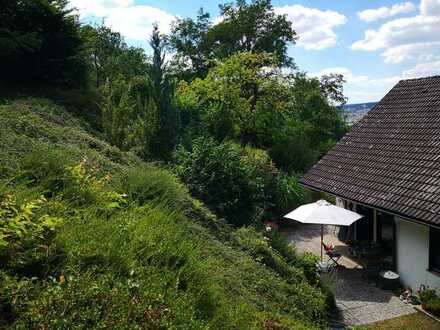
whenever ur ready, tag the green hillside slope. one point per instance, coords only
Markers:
(92, 237)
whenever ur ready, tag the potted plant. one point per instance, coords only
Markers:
(426, 295)
(433, 306)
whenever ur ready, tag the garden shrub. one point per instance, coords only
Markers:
(26, 232)
(258, 246)
(215, 174)
(327, 283)
(149, 183)
(287, 193)
(433, 305)
(56, 174)
(47, 168)
(280, 243)
(307, 262)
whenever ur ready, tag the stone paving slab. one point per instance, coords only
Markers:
(359, 300)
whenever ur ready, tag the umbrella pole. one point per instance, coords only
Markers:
(322, 238)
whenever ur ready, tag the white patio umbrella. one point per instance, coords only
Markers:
(323, 213)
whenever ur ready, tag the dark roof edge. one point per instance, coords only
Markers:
(401, 215)
(421, 78)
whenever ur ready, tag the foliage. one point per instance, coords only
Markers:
(215, 174)
(312, 106)
(327, 283)
(287, 194)
(110, 55)
(117, 110)
(426, 294)
(81, 184)
(307, 262)
(148, 183)
(20, 225)
(248, 99)
(94, 237)
(167, 131)
(159, 259)
(138, 112)
(433, 305)
(40, 41)
(240, 184)
(231, 101)
(253, 28)
(293, 151)
(258, 246)
(429, 298)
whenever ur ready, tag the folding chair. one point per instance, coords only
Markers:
(332, 254)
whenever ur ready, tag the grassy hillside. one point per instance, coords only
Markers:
(91, 237)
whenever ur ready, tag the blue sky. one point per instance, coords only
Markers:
(373, 43)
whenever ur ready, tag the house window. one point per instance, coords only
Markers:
(434, 249)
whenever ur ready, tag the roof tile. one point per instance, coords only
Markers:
(391, 158)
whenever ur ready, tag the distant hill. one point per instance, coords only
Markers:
(354, 112)
(359, 106)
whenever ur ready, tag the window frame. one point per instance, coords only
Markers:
(432, 232)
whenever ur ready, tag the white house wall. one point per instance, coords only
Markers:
(413, 255)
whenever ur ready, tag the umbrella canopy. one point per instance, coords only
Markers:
(323, 213)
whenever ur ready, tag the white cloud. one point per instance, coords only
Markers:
(430, 8)
(314, 26)
(218, 20)
(371, 15)
(132, 21)
(415, 52)
(135, 22)
(411, 40)
(98, 8)
(362, 88)
(423, 70)
(400, 32)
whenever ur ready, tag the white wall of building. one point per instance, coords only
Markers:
(413, 255)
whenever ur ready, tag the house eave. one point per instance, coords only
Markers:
(400, 215)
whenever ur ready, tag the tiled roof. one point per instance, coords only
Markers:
(390, 160)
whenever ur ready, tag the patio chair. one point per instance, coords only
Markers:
(332, 254)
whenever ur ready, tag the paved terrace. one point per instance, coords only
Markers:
(359, 300)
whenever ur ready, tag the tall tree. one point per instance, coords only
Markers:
(253, 28)
(110, 55)
(163, 91)
(189, 40)
(40, 41)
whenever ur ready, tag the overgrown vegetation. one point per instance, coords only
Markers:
(93, 242)
(133, 189)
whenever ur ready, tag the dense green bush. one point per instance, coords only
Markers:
(287, 193)
(40, 41)
(292, 150)
(433, 306)
(216, 174)
(258, 246)
(46, 167)
(240, 184)
(149, 183)
(26, 232)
